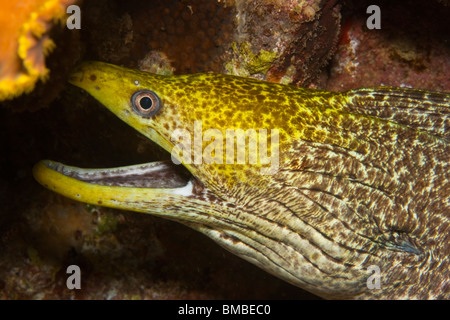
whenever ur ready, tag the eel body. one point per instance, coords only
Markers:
(344, 194)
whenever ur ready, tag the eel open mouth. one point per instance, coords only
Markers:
(138, 187)
(160, 174)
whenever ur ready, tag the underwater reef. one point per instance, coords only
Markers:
(319, 44)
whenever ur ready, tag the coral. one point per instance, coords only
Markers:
(289, 41)
(191, 35)
(156, 62)
(246, 63)
(409, 50)
(25, 41)
(303, 34)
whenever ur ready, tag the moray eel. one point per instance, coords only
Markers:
(345, 195)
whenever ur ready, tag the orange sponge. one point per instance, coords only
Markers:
(24, 42)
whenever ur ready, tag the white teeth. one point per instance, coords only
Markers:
(185, 191)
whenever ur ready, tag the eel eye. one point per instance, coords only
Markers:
(146, 103)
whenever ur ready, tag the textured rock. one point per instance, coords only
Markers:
(410, 50)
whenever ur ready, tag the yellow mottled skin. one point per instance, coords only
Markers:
(256, 105)
(362, 178)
